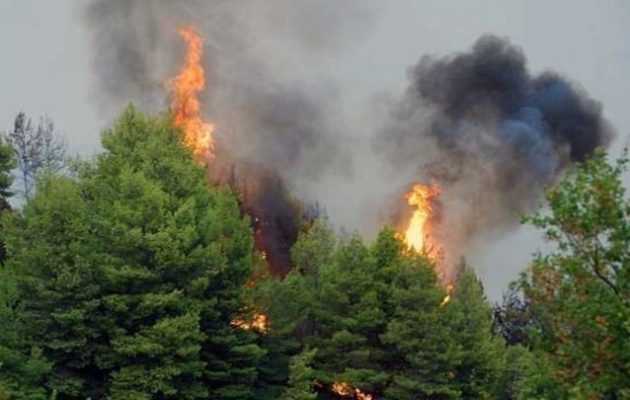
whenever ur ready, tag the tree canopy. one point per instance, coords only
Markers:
(127, 276)
(580, 291)
(132, 277)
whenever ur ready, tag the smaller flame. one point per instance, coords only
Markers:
(259, 323)
(447, 298)
(343, 389)
(419, 197)
(186, 106)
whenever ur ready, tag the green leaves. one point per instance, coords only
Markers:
(580, 291)
(301, 377)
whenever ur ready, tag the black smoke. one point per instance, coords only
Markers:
(491, 133)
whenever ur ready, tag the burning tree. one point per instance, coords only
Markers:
(264, 197)
(377, 317)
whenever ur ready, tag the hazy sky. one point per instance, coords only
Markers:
(45, 66)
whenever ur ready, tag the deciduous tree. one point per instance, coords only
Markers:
(581, 289)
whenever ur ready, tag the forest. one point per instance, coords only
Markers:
(130, 276)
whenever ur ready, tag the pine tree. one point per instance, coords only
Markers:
(378, 319)
(22, 366)
(313, 248)
(49, 249)
(130, 274)
(301, 377)
(422, 348)
(481, 354)
(289, 306)
(349, 318)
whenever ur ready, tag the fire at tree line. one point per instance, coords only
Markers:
(149, 272)
(130, 277)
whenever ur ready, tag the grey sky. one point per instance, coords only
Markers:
(45, 67)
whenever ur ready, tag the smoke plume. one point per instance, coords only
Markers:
(275, 125)
(490, 133)
(267, 107)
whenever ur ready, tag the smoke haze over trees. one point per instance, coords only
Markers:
(279, 266)
(133, 278)
(479, 123)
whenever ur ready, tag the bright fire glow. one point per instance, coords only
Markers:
(343, 389)
(447, 298)
(417, 233)
(258, 323)
(185, 106)
(419, 197)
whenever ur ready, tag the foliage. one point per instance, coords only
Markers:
(132, 278)
(7, 163)
(375, 316)
(581, 290)
(129, 275)
(301, 377)
(22, 367)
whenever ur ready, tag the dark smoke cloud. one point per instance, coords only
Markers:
(492, 134)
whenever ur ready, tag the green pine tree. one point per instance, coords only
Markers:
(348, 319)
(481, 355)
(423, 350)
(22, 366)
(289, 305)
(301, 377)
(129, 275)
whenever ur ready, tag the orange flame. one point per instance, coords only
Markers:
(185, 105)
(259, 323)
(417, 234)
(343, 389)
(419, 197)
(447, 298)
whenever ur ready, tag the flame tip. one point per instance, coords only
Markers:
(186, 107)
(420, 196)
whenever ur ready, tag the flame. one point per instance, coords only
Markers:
(259, 322)
(447, 298)
(185, 106)
(344, 389)
(417, 235)
(419, 197)
(341, 388)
